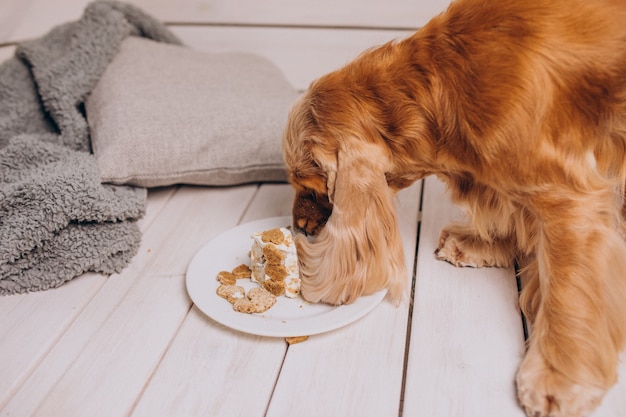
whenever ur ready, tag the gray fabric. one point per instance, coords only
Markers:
(57, 220)
(164, 114)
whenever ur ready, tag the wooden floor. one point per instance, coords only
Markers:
(133, 344)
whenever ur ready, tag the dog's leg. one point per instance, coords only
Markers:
(579, 318)
(462, 246)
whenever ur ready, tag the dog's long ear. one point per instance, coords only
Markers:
(359, 251)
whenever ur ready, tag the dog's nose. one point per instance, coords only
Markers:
(300, 226)
(310, 212)
(308, 227)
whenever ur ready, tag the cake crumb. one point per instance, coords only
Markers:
(226, 278)
(231, 293)
(296, 339)
(245, 305)
(242, 271)
(262, 299)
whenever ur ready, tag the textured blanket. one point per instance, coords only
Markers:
(57, 220)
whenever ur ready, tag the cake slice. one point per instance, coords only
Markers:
(274, 262)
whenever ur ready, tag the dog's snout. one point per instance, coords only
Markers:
(301, 225)
(310, 212)
(307, 227)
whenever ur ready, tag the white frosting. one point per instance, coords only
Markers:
(290, 262)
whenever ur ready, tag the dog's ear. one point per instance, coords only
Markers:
(330, 184)
(359, 251)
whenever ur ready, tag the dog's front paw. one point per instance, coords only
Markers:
(543, 392)
(463, 249)
(451, 250)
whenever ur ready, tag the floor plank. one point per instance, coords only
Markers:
(302, 54)
(614, 403)
(368, 13)
(25, 341)
(25, 19)
(6, 52)
(12, 12)
(102, 361)
(190, 382)
(272, 200)
(37, 17)
(466, 338)
(355, 370)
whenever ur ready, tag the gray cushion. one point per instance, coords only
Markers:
(164, 114)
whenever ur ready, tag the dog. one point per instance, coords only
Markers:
(520, 107)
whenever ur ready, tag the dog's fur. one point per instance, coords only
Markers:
(520, 106)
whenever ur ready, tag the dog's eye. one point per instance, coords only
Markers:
(315, 165)
(315, 196)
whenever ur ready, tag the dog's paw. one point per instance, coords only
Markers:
(542, 392)
(468, 251)
(451, 250)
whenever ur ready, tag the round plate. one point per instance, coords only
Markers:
(288, 317)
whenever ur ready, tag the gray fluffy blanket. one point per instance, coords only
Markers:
(57, 220)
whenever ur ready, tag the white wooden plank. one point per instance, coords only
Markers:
(30, 324)
(614, 403)
(101, 363)
(25, 400)
(371, 13)
(466, 338)
(272, 200)
(302, 54)
(356, 370)
(110, 371)
(25, 339)
(157, 200)
(39, 16)
(35, 323)
(11, 14)
(7, 305)
(209, 369)
(6, 52)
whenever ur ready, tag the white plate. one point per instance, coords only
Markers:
(288, 317)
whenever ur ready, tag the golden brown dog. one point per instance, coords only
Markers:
(520, 106)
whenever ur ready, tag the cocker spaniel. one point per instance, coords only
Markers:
(520, 107)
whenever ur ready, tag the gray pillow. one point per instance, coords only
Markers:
(164, 114)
